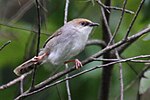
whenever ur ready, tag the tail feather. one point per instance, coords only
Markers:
(25, 67)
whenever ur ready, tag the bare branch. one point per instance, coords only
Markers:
(127, 44)
(113, 8)
(111, 47)
(24, 8)
(4, 45)
(67, 85)
(136, 61)
(78, 74)
(116, 52)
(67, 75)
(121, 75)
(105, 22)
(38, 39)
(96, 42)
(118, 26)
(19, 28)
(21, 85)
(14, 81)
(66, 11)
(134, 18)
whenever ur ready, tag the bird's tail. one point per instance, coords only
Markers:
(25, 67)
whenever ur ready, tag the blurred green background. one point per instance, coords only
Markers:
(22, 16)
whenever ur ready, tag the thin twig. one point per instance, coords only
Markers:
(38, 39)
(5, 44)
(115, 60)
(107, 34)
(67, 85)
(134, 18)
(94, 59)
(42, 7)
(66, 11)
(14, 81)
(103, 5)
(66, 65)
(24, 8)
(111, 47)
(136, 61)
(105, 22)
(96, 42)
(113, 8)
(121, 76)
(21, 85)
(24, 29)
(118, 26)
(116, 52)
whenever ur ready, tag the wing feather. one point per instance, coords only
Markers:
(57, 33)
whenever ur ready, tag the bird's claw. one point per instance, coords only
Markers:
(78, 64)
(37, 59)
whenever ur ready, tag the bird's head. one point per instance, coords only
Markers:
(82, 25)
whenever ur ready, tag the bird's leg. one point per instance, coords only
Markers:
(78, 63)
(37, 59)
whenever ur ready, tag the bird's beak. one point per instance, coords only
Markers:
(94, 24)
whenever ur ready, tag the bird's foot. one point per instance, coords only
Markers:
(37, 59)
(78, 63)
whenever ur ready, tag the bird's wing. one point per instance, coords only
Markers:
(57, 33)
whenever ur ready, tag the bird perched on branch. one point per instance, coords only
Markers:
(65, 43)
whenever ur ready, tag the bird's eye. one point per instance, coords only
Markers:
(85, 23)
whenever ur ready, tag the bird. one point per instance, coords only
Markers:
(67, 42)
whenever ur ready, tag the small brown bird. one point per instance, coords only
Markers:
(65, 43)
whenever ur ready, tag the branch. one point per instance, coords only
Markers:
(134, 18)
(113, 8)
(14, 81)
(127, 44)
(116, 45)
(4, 45)
(24, 8)
(24, 29)
(96, 42)
(67, 85)
(118, 26)
(121, 75)
(38, 39)
(110, 60)
(116, 52)
(78, 74)
(106, 24)
(107, 34)
(66, 11)
(66, 65)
